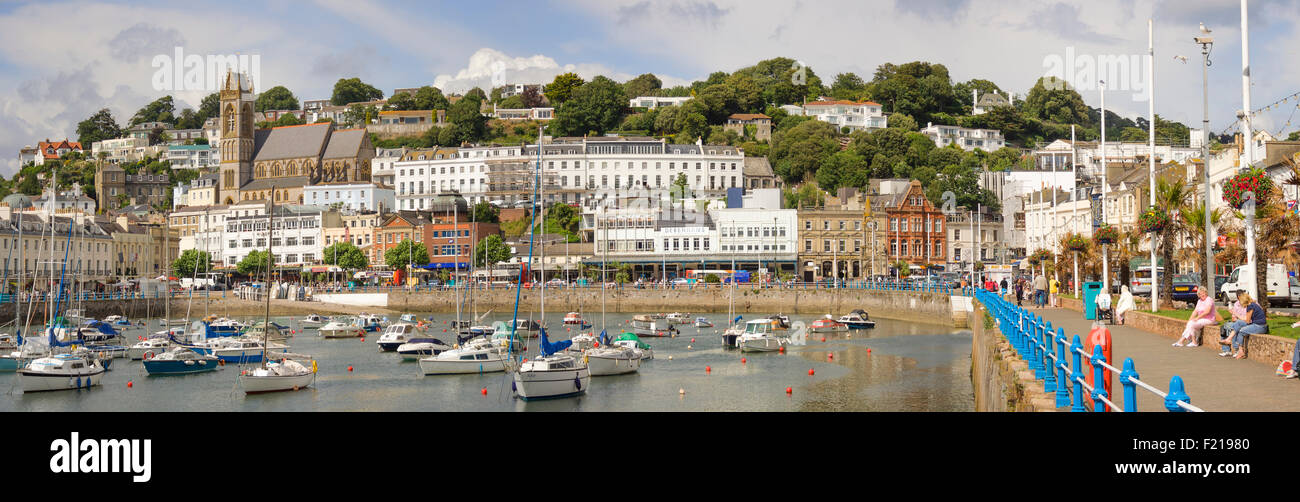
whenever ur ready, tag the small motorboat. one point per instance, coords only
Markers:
(312, 321)
(678, 318)
(151, 346)
(8, 342)
(781, 321)
(268, 331)
(224, 327)
(481, 330)
(117, 320)
(643, 325)
(612, 360)
(527, 325)
(343, 327)
(410, 318)
(630, 340)
(703, 322)
(238, 350)
(181, 360)
(61, 372)
(107, 351)
(573, 318)
(857, 319)
(760, 336)
(370, 322)
(828, 325)
(396, 335)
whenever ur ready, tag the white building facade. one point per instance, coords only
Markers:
(357, 197)
(968, 139)
(856, 116)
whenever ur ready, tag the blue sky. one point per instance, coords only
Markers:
(62, 61)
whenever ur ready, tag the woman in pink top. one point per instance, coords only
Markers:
(1204, 315)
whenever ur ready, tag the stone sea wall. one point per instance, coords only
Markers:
(1002, 381)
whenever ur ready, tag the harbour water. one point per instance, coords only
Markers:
(910, 367)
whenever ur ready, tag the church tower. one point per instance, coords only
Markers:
(236, 136)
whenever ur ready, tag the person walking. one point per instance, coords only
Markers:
(1020, 292)
(1054, 289)
(1040, 290)
(1004, 286)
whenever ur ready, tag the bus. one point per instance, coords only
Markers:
(724, 276)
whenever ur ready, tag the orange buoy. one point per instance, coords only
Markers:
(810, 371)
(789, 390)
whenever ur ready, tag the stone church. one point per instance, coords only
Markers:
(261, 164)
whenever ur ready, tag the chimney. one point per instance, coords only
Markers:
(974, 97)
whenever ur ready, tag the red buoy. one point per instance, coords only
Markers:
(868, 350)
(789, 390)
(128, 384)
(823, 338)
(484, 391)
(781, 350)
(810, 371)
(830, 356)
(708, 369)
(349, 368)
(363, 338)
(692, 340)
(742, 360)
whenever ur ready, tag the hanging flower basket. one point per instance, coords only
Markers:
(1105, 234)
(979, 266)
(1033, 260)
(1076, 242)
(1246, 180)
(1043, 255)
(1153, 220)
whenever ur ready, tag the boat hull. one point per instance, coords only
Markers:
(605, 366)
(155, 367)
(273, 383)
(8, 364)
(534, 385)
(435, 367)
(765, 344)
(44, 382)
(860, 324)
(352, 332)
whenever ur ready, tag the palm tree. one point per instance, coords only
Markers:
(1123, 250)
(1172, 198)
(1194, 221)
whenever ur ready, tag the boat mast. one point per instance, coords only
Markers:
(18, 304)
(604, 246)
(167, 258)
(455, 259)
(514, 321)
(270, 230)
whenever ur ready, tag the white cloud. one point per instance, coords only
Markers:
(488, 68)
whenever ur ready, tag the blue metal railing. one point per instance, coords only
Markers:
(1044, 351)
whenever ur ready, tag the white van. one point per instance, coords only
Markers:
(1278, 284)
(1140, 280)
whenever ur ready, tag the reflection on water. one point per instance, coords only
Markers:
(911, 367)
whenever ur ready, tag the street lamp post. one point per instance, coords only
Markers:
(1207, 43)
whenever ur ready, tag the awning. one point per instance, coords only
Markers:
(431, 266)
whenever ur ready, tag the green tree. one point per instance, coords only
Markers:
(532, 97)
(346, 255)
(490, 251)
(254, 265)
(160, 110)
(1053, 100)
(563, 218)
(645, 84)
(514, 102)
(962, 91)
(595, 106)
(808, 195)
(430, 98)
(209, 107)
(903, 121)
(406, 253)
(560, 89)
(798, 152)
(843, 169)
(98, 127)
(276, 98)
(849, 86)
(353, 90)
(191, 263)
(485, 212)
(918, 89)
(466, 121)
(401, 101)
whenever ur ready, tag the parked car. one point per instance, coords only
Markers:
(681, 281)
(556, 283)
(1184, 288)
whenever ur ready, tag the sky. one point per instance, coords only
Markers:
(60, 61)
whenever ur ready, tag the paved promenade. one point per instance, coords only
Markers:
(1213, 383)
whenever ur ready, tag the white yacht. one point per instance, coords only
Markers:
(612, 360)
(61, 372)
(679, 318)
(312, 321)
(285, 374)
(156, 346)
(479, 355)
(556, 375)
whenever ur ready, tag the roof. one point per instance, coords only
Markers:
(408, 112)
(344, 143)
(17, 200)
(291, 142)
(285, 182)
(992, 99)
(748, 116)
(841, 102)
(757, 166)
(190, 147)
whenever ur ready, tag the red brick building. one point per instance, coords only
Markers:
(915, 231)
(436, 231)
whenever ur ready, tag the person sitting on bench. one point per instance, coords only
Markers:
(1104, 311)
